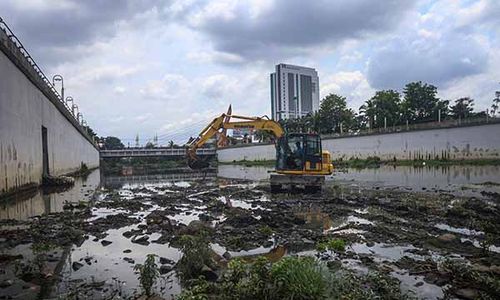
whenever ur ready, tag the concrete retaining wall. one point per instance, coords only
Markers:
(473, 142)
(24, 109)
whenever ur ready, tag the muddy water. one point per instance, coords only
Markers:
(38, 202)
(376, 233)
(449, 178)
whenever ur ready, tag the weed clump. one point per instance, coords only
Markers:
(148, 273)
(292, 278)
(335, 245)
(197, 255)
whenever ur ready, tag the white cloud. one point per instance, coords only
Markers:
(352, 85)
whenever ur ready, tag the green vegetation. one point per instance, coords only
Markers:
(462, 274)
(444, 162)
(369, 162)
(387, 108)
(112, 143)
(266, 230)
(148, 274)
(336, 245)
(375, 162)
(197, 255)
(251, 163)
(292, 278)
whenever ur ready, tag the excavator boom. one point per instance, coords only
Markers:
(259, 123)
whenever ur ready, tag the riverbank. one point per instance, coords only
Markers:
(375, 162)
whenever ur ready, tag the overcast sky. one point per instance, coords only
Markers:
(166, 67)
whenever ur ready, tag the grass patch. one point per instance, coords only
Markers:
(356, 163)
(251, 163)
(292, 278)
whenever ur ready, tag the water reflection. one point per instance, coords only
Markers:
(447, 177)
(119, 181)
(38, 202)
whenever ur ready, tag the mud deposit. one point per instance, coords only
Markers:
(436, 243)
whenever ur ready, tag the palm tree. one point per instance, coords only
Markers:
(496, 103)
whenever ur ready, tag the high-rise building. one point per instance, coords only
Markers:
(294, 91)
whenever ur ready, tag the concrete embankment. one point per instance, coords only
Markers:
(37, 133)
(455, 143)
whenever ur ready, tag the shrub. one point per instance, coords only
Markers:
(336, 245)
(148, 273)
(297, 278)
(196, 254)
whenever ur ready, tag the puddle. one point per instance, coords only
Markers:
(417, 286)
(463, 231)
(381, 251)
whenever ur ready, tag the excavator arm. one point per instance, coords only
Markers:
(262, 123)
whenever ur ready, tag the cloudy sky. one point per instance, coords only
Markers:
(166, 67)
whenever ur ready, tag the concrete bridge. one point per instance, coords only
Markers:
(157, 152)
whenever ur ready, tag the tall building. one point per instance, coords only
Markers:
(294, 91)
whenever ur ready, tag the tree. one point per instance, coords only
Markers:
(113, 143)
(420, 102)
(384, 107)
(263, 136)
(463, 108)
(333, 112)
(90, 131)
(367, 111)
(171, 144)
(496, 103)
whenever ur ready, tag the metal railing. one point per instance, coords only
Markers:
(153, 152)
(12, 38)
(418, 126)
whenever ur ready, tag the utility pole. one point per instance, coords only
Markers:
(439, 115)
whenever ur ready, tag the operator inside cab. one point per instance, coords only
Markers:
(296, 156)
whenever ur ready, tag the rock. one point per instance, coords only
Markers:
(195, 227)
(76, 266)
(420, 283)
(447, 237)
(143, 240)
(227, 255)
(6, 283)
(159, 217)
(208, 273)
(467, 293)
(128, 234)
(129, 260)
(7, 257)
(105, 243)
(127, 251)
(164, 260)
(88, 260)
(164, 269)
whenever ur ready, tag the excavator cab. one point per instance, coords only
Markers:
(298, 152)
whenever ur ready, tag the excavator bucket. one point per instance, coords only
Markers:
(197, 163)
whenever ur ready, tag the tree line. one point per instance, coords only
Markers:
(418, 103)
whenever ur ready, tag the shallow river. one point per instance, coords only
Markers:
(106, 263)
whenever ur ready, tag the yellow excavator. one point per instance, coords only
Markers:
(300, 161)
